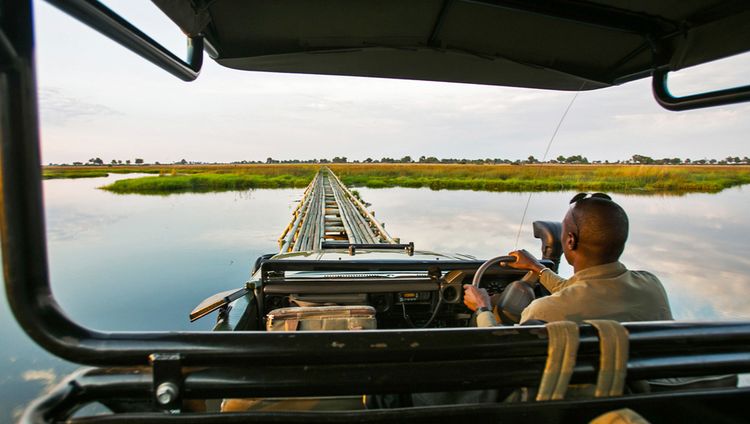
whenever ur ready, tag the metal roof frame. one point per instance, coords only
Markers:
(302, 362)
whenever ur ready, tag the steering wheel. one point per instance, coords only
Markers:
(516, 296)
(488, 263)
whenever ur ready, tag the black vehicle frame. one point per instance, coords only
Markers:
(204, 365)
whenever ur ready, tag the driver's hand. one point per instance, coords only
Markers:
(524, 260)
(475, 298)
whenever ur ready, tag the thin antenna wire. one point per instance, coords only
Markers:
(544, 158)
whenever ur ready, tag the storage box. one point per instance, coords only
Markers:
(322, 318)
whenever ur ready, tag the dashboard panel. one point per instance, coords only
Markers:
(400, 300)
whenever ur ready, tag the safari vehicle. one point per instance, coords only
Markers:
(556, 45)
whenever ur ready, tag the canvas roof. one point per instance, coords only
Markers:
(556, 44)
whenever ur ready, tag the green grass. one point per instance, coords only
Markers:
(636, 179)
(697, 183)
(200, 183)
(609, 178)
(58, 172)
(75, 173)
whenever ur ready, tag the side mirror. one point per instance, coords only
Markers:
(550, 233)
(215, 302)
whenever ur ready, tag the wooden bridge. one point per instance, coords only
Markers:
(329, 216)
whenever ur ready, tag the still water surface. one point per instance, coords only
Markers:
(129, 262)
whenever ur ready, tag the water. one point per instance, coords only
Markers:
(129, 262)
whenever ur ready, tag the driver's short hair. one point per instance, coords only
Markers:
(602, 226)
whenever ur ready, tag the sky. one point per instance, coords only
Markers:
(97, 99)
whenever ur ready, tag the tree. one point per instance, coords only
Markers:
(138, 161)
(183, 162)
(561, 159)
(642, 159)
(532, 159)
(406, 159)
(368, 160)
(127, 161)
(337, 159)
(576, 159)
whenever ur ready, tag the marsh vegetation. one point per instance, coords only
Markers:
(643, 179)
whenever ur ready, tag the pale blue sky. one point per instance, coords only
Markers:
(99, 100)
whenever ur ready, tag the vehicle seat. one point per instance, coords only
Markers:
(310, 318)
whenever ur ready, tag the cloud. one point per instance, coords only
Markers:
(228, 115)
(672, 124)
(58, 108)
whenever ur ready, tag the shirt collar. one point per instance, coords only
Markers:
(612, 269)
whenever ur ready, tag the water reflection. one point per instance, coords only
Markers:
(128, 262)
(143, 262)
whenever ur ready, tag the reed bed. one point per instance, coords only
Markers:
(206, 182)
(545, 177)
(643, 179)
(74, 173)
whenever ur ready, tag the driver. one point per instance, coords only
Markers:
(594, 232)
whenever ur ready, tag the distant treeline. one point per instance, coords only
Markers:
(571, 160)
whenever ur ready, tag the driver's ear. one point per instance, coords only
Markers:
(572, 241)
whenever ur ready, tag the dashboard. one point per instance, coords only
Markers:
(401, 300)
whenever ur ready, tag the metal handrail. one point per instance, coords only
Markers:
(90, 385)
(101, 18)
(666, 100)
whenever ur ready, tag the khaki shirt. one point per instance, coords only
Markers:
(608, 291)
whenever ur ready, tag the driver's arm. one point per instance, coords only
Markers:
(551, 281)
(526, 261)
(476, 298)
(486, 319)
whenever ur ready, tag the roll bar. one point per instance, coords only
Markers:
(666, 100)
(270, 355)
(32, 302)
(89, 385)
(101, 18)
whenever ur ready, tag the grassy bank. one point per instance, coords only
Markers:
(641, 179)
(655, 179)
(74, 173)
(200, 183)
(208, 178)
